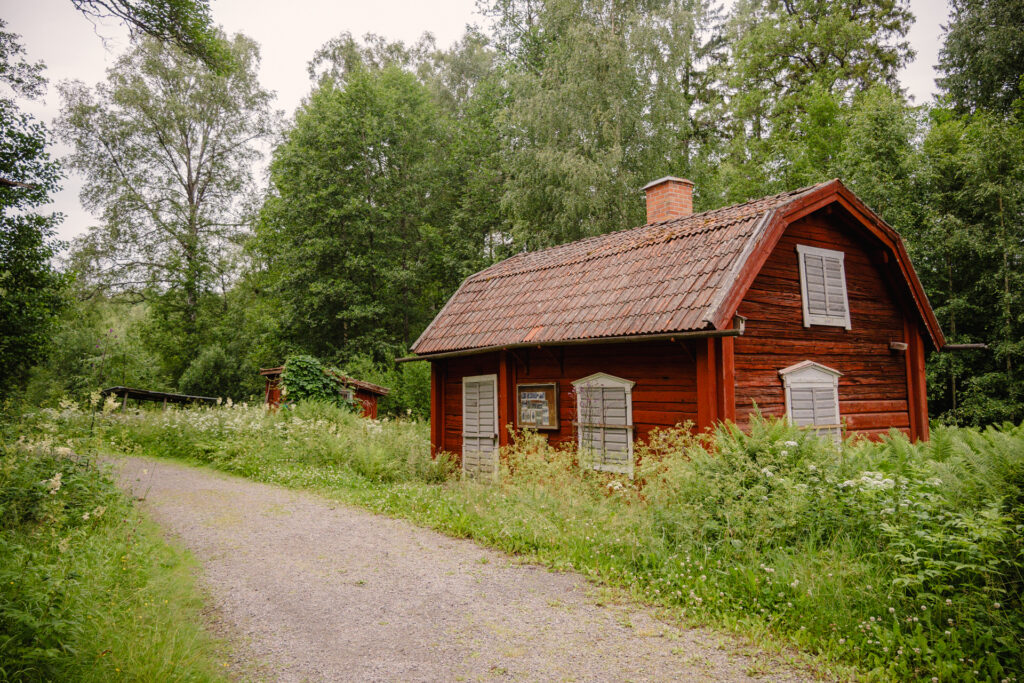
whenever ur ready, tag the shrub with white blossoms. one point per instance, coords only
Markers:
(870, 481)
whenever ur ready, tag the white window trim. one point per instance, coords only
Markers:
(603, 379)
(808, 374)
(814, 319)
(476, 378)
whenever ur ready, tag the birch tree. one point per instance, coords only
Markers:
(167, 151)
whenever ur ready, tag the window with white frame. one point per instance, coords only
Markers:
(812, 397)
(823, 287)
(604, 419)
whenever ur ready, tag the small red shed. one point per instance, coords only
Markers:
(363, 392)
(803, 304)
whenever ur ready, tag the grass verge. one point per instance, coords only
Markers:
(89, 591)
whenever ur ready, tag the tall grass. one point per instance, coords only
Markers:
(88, 591)
(904, 560)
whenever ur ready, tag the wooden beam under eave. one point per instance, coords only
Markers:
(917, 388)
(437, 380)
(725, 380)
(506, 397)
(707, 385)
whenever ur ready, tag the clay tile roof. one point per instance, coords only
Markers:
(661, 277)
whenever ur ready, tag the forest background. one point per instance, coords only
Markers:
(409, 167)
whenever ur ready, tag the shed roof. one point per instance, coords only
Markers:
(683, 274)
(157, 396)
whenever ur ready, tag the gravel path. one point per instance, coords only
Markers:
(313, 590)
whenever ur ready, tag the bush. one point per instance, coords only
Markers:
(306, 379)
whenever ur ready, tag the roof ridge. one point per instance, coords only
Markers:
(789, 195)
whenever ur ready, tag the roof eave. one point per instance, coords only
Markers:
(737, 329)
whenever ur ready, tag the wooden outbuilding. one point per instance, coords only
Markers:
(803, 305)
(364, 393)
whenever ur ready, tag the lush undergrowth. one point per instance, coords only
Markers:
(906, 561)
(88, 590)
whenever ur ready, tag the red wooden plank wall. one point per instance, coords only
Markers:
(368, 403)
(873, 391)
(665, 392)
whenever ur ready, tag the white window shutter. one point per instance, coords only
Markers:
(823, 287)
(812, 397)
(605, 421)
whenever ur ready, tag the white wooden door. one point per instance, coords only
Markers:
(480, 427)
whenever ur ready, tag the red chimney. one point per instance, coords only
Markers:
(669, 198)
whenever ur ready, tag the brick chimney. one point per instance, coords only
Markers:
(669, 198)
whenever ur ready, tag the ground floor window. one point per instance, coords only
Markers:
(812, 397)
(604, 422)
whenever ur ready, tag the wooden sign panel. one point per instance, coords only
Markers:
(537, 405)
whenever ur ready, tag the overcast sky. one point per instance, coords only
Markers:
(73, 47)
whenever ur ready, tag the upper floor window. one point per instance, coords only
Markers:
(823, 287)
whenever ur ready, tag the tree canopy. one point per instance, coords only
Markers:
(31, 290)
(184, 23)
(410, 166)
(982, 58)
(166, 148)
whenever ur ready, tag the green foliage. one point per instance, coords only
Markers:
(409, 384)
(982, 57)
(88, 591)
(166, 148)
(968, 254)
(311, 445)
(32, 292)
(185, 23)
(603, 98)
(99, 342)
(796, 71)
(212, 373)
(357, 230)
(904, 560)
(307, 379)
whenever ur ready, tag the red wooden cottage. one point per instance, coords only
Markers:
(803, 304)
(364, 393)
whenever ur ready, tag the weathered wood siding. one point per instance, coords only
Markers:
(873, 389)
(665, 393)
